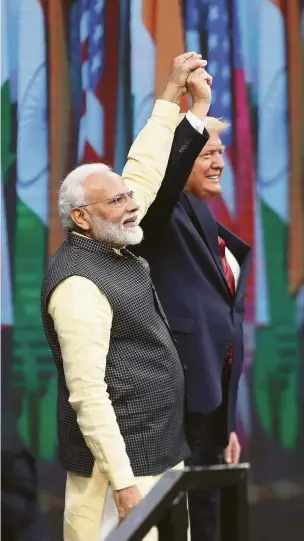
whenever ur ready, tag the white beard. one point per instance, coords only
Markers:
(115, 234)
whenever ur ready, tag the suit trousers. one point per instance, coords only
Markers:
(207, 436)
(90, 512)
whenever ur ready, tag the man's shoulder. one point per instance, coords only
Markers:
(58, 259)
(60, 266)
(74, 289)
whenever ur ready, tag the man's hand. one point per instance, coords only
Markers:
(232, 452)
(182, 66)
(125, 500)
(199, 85)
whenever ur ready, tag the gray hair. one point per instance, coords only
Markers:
(71, 192)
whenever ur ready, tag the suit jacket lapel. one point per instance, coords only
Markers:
(209, 231)
(241, 251)
(237, 246)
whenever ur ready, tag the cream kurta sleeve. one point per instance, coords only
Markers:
(82, 318)
(149, 155)
(82, 315)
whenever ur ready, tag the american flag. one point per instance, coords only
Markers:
(219, 64)
(207, 31)
(92, 36)
(215, 23)
(219, 45)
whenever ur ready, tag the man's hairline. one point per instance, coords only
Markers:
(82, 182)
(221, 144)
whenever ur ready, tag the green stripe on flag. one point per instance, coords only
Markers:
(277, 363)
(34, 371)
(7, 156)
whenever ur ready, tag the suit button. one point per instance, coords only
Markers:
(185, 368)
(182, 149)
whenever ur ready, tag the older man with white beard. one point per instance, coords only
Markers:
(120, 378)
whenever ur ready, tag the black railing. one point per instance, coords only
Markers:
(231, 480)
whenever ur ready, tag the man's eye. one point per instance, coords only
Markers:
(117, 200)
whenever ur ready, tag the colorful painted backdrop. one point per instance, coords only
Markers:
(79, 78)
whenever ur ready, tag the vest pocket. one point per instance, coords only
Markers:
(181, 324)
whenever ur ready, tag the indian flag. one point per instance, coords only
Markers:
(34, 372)
(143, 53)
(7, 159)
(156, 38)
(276, 368)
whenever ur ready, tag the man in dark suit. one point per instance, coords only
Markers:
(200, 270)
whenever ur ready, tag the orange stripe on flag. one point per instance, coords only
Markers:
(296, 110)
(291, 11)
(163, 20)
(149, 16)
(59, 92)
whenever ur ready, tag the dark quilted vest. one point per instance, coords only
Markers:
(144, 373)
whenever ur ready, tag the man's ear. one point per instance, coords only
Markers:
(80, 218)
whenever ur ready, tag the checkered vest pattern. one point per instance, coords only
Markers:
(144, 373)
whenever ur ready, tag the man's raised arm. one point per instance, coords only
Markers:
(189, 139)
(149, 154)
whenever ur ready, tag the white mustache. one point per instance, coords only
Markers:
(129, 217)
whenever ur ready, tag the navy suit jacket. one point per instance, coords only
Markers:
(181, 245)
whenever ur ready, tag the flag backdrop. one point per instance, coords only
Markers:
(79, 88)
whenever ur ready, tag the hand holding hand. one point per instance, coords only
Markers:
(199, 85)
(182, 66)
(126, 499)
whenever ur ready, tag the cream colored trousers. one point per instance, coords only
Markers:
(90, 513)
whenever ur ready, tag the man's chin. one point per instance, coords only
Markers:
(135, 235)
(215, 190)
(117, 236)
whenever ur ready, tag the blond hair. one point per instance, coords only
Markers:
(213, 125)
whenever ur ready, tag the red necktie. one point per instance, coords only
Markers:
(230, 281)
(227, 269)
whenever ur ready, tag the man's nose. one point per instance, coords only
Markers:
(132, 206)
(218, 162)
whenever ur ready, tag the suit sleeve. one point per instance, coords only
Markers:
(187, 145)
